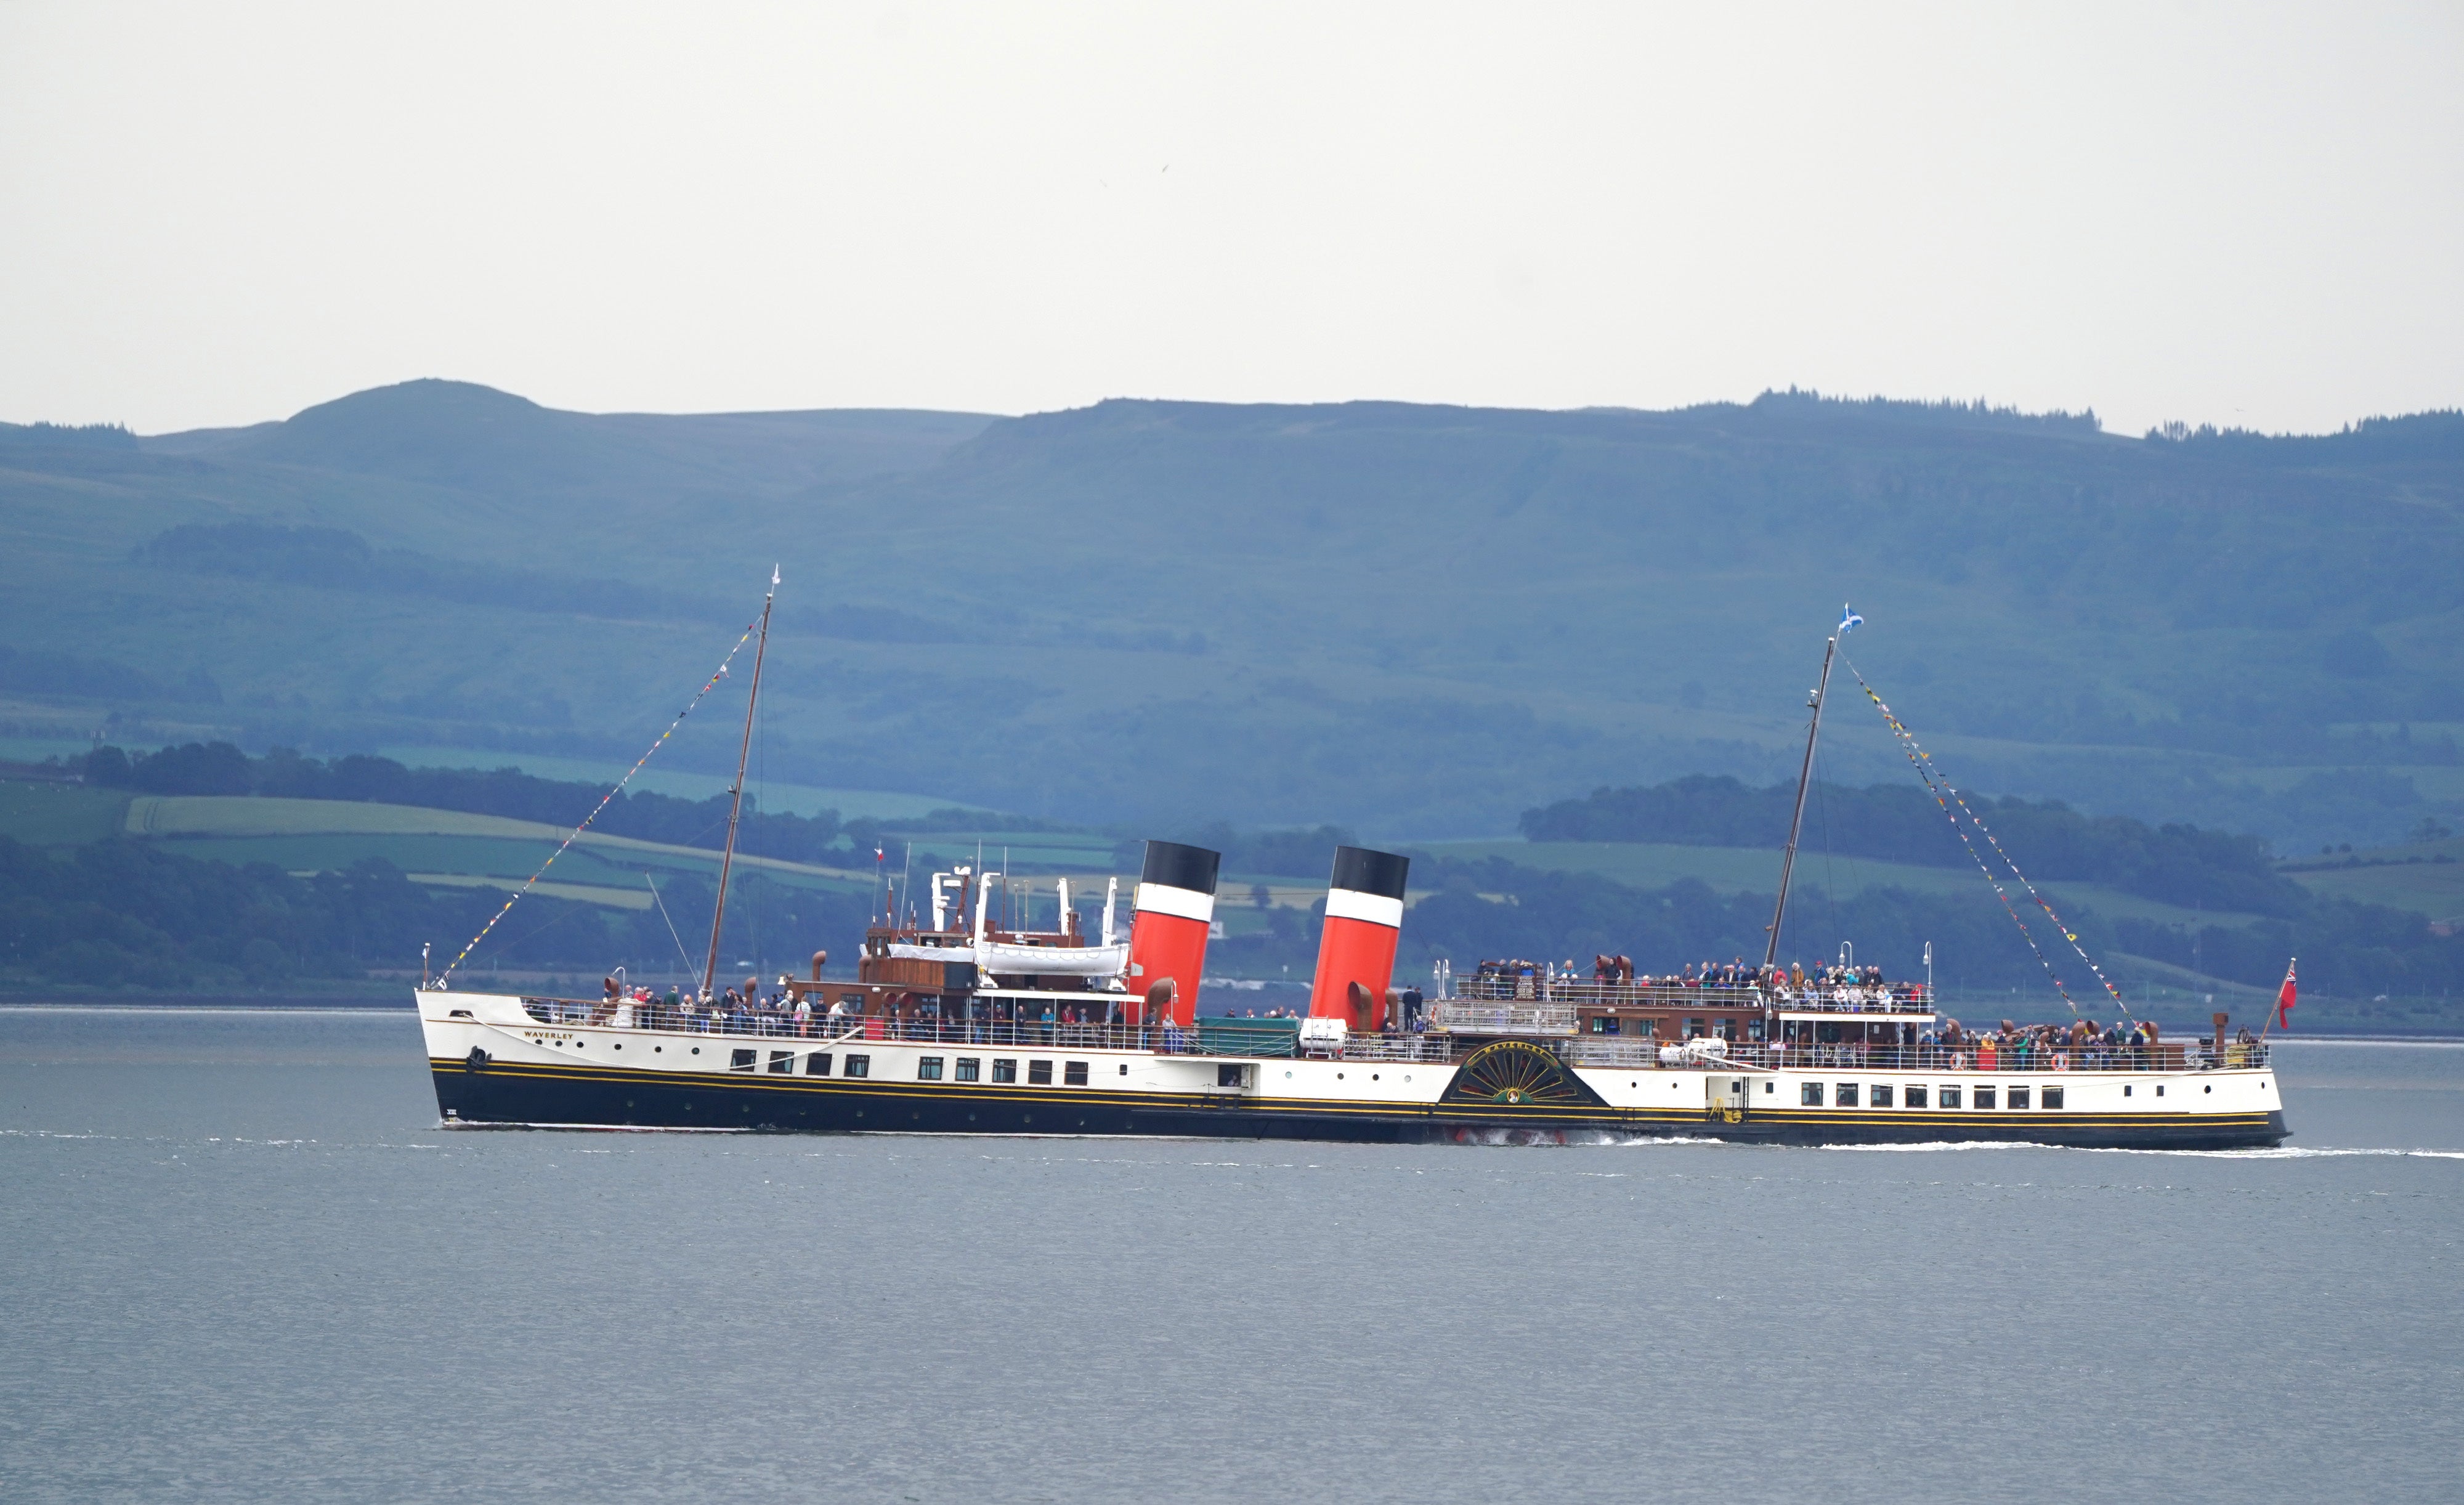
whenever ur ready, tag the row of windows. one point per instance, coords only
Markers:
(928, 1068)
(1877, 1095)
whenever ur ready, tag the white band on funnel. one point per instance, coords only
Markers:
(1375, 908)
(1162, 898)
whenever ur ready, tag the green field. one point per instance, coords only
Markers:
(2426, 877)
(772, 795)
(1739, 870)
(444, 848)
(59, 814)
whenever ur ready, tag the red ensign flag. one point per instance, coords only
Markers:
(2284, 999)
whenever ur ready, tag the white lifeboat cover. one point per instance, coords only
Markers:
(996, 955)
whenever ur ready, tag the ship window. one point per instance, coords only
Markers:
(1810, 1095)
(784, 1062)
(1693, 1029)
(1229, 1075)
(928, 1068)
(1039, 1074)
(742, 1060)
(1945, 1097)
(1879, 1095)
(1984, 1096)
(1844, 1095)
(2160, 1091)
(858, 1066)
(2126, 1089)
(1004, 1070)
(2018, 1097)
(2050, 1097)
(969, 1068)
(818, 1064)
(1914, 1097)
(1074, 1074)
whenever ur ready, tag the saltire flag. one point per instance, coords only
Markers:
(2284, 999)
(1848, 619)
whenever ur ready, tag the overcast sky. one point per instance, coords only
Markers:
(2246, 215)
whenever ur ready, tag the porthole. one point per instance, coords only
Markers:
(2210, 1087)
(1373, 1076)
(1338, 1077)
(578, 1044)
(696, 1050)
(620, 1044)
(657, 1050)
(1024, 1118)
(1288, 1076)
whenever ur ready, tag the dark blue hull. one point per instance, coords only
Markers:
(588, 1097)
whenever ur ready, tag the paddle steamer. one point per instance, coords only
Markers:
(957, 1026)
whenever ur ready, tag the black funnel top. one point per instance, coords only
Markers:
(1175, 866)
(1365, 871)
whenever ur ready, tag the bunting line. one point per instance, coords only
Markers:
(615, 789)
(1939, 788)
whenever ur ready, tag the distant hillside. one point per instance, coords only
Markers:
(2180, 865)
(1408, 620)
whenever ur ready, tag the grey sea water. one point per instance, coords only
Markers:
(246, 1264)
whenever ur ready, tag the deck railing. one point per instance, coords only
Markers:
(1256, 1037)
(1542, 992)
(1499, 1018)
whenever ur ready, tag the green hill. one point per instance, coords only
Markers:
(1417, 621)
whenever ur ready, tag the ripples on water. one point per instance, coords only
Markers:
(249, 1265)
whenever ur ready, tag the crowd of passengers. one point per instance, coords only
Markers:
(1835, 987)
(1000, 1021)
(2082, 1044)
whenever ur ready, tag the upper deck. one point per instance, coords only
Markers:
(1458, 1028)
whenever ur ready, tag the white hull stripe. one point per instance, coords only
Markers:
(1375, 908)
(1162, 898)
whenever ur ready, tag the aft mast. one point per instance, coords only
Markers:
(734, 811)
(1804, 780)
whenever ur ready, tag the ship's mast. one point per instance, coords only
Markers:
(1804, 780)
(734, 811)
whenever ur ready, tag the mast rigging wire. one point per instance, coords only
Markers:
(671, 923)
(1944, 798)
(618, 787)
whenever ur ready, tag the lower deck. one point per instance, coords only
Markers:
(494, 1064)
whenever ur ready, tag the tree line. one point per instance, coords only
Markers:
(127, 915)
(223, 769)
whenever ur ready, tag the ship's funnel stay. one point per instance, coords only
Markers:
(1364, 919)
(1168, 926)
